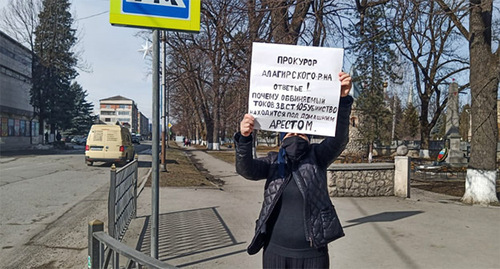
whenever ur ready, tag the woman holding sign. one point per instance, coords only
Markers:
(297, 219)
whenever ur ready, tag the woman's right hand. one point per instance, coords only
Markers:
(246, 125)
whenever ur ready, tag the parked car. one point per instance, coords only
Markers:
(67, 138)
(79, 140)
(109, 143)
(136, 139)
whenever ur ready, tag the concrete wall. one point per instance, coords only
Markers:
(375, 179)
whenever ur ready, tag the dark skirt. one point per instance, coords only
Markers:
(273, 260)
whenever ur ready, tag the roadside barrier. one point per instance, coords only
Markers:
(122, 200)
(122, 208)
(100, 242)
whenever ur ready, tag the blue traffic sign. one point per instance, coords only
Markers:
(178, 9)
(183, 15)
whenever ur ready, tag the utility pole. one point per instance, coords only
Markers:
(155, 195)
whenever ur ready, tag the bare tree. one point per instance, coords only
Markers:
(287, 19)
(188, 74)
(219, 55)
(428, 40)
(205, 64)
(484, 81)
(20, 19)
(362, 6)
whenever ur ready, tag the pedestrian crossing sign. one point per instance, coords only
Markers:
(181, 15)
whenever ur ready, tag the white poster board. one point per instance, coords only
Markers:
(295, 89)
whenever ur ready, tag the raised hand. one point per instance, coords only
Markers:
(345, 84)
(246, 125)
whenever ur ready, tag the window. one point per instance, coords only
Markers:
(107, 119)
(34, 128)
(107, 113)
(123, 106)
(123, 112)
(16, 128)
(22, 128)
(5, 127)
(11, 131)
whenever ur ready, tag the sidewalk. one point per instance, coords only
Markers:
(211, 228)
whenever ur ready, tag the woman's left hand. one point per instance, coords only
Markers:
(345, 84)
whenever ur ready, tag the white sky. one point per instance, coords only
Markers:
(112, 52)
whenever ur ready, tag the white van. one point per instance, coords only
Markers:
(108, 143)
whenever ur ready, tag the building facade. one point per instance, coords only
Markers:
(19, 128)
(143, 128)
(119, 109)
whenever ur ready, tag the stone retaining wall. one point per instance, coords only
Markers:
(359, 180)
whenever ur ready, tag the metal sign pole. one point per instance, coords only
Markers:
(164, 83)
(155, 145)
(167, 91)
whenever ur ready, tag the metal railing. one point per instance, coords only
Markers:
(122, 201)
(100, 243)
(122, 208)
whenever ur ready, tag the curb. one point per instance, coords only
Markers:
(143, 182)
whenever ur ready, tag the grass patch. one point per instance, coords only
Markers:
(181, 172)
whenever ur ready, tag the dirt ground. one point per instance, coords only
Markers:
(453, 188)
(184, 171)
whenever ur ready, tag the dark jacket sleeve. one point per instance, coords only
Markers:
(246, 165)
(331, 147)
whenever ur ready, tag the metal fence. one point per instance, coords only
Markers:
(104, 250)
(100, 243)
(122, 201)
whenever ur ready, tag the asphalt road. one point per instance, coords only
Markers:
(46, 202)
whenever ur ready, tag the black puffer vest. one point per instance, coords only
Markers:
(310, 176)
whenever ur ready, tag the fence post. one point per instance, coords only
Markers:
(111, 202)
(111, 211)
(402, 176)
(94, 258)
(136, 179)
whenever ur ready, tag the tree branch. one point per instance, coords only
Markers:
(454, 18)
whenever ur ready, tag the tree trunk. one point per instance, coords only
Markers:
(209, 125)
(215, 143)
(480, 186)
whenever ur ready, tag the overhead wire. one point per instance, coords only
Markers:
(94, 15)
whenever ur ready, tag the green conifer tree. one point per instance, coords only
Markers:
(54, 65)
(410, 123)
(372, 49)
(82, 113)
